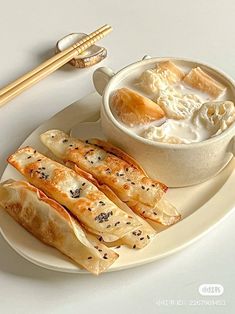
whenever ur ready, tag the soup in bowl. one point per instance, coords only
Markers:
(175, 116)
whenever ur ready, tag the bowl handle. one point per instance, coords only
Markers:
(101, 77)
(146, 57)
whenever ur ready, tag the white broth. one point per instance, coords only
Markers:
(201, 120)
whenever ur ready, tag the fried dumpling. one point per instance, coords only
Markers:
(135, 109)
(138, 238)
(114, 168)
(89, 205)
(51, 223)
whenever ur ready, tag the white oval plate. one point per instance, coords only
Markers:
(202, 206)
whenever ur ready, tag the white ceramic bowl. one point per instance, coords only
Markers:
(176, 165)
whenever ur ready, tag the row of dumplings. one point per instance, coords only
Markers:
(97, 197)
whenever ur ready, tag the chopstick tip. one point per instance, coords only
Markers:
(107, 26)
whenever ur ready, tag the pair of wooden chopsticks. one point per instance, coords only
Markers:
(49, 66)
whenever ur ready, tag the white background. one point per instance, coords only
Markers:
(203, 30)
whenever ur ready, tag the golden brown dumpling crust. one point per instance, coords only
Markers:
(51, 223)
(112, 167)
(88, 204)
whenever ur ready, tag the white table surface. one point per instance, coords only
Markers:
(203, 30)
